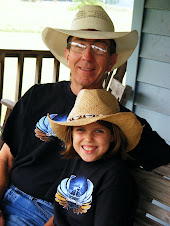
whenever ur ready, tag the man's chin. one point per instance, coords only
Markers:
(90, 85)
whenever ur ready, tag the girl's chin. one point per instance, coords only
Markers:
(87, 159)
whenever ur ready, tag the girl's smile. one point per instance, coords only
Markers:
(91, 141)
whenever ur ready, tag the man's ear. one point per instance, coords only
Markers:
(113, 60)
(67, 53)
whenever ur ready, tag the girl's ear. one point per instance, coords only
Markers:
(111, 138)
(113, 60)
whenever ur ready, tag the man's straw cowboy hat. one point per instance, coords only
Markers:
(97, 104)
(88, 19)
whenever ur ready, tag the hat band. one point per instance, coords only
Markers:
(76, 117)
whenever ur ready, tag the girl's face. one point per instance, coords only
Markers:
(91, 141)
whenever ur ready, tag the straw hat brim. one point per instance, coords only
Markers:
(56, 41)
(126, 121)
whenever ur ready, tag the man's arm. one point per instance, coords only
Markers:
(6, 164)
(152, 151)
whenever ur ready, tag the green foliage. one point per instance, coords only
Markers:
(88, 2)
(79, 4)
(85, 2)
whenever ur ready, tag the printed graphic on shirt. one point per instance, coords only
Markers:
(43, 130)
(75, 193)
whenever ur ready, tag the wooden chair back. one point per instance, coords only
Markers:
(154, 196)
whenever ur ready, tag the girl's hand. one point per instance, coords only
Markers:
(49, 222)
(2, 221)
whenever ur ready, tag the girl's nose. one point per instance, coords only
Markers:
(88, 137)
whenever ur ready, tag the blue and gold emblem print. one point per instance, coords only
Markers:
(75, 193)
(43, 130)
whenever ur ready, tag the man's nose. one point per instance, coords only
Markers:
(88, 52)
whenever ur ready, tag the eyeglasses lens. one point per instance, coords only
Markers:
(98, 48)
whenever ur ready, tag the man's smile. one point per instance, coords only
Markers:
(86, 69)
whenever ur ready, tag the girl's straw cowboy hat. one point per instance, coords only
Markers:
(88, 19)
(97, 104)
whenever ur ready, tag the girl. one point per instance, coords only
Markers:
(95, 188)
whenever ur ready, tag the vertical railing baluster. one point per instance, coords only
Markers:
(2, 61)
(56, 70)
(19, 76)
(38, 69)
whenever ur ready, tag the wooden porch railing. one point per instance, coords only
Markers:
(21, 55)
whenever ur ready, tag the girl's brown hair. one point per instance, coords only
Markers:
(117, 147)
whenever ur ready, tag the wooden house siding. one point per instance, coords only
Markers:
(148, 70)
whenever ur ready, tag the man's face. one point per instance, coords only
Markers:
(87, 67)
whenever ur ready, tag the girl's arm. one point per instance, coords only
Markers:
(115, 202)
(6, 164)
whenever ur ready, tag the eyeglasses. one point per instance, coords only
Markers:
(99, 48)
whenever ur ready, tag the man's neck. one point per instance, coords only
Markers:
(76, 89)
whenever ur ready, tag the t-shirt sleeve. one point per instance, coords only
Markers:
(152, 151)
(114, 200)
(11, 134)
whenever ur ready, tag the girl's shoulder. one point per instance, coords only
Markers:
(98, 171)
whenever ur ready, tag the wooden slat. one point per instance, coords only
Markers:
(153, 97)
(8, 111)
(126, 95)
(158, 4)
(154, 210)
(163, 171)
(158, 121)
(116, 89)
(106, 79)
(142, 220)
(155, 47)
(56, 70)
(19, 77)
(154, 72)
(38, 69)
(120, 72)
(132, 64)
(121, 92)
(8, 103)
(153, 186)
(26, 53)
(154, 17)
(2, 60)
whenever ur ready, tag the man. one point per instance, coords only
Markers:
(30, 158)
